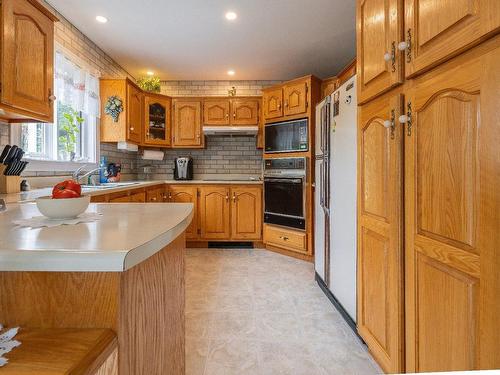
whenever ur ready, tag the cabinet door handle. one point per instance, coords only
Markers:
(169, 195)
(52, 98)
(390, 124)
(153, 199)
(131, 128)
(406, 46)
(234, 197)
(227, 197)
(234, 115)
(227, 115)
(391, 56)
(286, 103)
(284, 238)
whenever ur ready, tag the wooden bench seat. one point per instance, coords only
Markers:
(63, 351)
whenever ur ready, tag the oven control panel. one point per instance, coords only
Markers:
(285, 163)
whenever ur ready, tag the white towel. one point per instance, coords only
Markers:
(7, 343)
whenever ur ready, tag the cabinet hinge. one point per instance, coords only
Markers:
(409, 120)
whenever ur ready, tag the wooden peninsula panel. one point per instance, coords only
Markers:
(143, 305)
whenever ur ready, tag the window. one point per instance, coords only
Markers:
(73, 136)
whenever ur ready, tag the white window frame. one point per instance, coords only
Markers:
(38, 165)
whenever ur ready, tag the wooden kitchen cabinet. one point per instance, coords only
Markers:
(186, 194)
(216, 111)
(157, 120)
(436, 30)
(187, 131)
(273, 103)
(155, 194)
(241, 111)
(451, 224)
(130, 123)
(128, 196)
(378, 28)
(295, 98)
(135, 98)
(380, 224)
(246, 213)
(245, 111)
(215, 212)
(27, 62)
(294, 240)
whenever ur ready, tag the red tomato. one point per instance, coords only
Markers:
(67, 189)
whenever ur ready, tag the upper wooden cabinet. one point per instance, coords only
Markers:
(380, 222)
(295, 99)
(27, 62)
(215, 212)
(135, 99)
(292, 99)
(157, 118)
(187, 131)
(435, 30)
(245, 111)
(273, 103)
(246, 213)
(129, 126)
(451, 226)
(378, 29)
(241, 111)
(216, 111)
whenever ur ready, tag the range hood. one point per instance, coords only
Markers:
(230, 130)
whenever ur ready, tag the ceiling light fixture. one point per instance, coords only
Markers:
(101, 19)
(150, 73)
(231, 16)
(231, 72)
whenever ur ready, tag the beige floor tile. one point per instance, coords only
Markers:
(232, 357)
(259, 312)
(196, 355)
(232, 325)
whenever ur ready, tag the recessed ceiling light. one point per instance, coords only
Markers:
(101, 19)
(150, 73)
(231, 16)
(231, 72)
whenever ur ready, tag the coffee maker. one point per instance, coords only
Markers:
(183, 168)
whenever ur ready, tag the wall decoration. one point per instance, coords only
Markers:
(113, 107)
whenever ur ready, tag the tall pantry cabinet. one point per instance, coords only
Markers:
(428, 183)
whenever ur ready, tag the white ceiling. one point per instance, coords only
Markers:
(191, 39)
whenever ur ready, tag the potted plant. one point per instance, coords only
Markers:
(151, 84)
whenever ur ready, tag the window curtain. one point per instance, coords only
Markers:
(75, 86)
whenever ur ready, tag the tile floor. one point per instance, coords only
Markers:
(258, 312)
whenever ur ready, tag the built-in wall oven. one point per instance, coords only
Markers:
(284, 192)
(287, 136)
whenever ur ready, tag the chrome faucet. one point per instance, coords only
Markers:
(76, 174)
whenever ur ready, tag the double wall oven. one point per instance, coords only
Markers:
(285, 191)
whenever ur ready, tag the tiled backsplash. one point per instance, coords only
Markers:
(223, 157)
(214, 88)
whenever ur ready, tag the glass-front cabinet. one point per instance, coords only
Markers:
(157, 127)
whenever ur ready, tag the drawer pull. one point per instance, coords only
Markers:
(284, 238)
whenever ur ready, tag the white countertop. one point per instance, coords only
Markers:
(126, 235)
(31, 195)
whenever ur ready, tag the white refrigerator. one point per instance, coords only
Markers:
(335, 195)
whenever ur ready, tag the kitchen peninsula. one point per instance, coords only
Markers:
(124, 272)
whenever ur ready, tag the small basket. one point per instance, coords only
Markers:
(9, 184)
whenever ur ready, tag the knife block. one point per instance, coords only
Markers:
(9, 184)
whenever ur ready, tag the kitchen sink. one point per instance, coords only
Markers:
(109, 185)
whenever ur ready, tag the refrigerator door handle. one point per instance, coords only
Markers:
(321, 185)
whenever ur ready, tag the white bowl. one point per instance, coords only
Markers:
(67, 208)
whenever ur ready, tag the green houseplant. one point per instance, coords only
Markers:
(70, 123)
(151, 84)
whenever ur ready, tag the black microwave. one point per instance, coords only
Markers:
(288, 136)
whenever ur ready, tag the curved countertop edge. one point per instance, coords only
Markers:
(90, 261)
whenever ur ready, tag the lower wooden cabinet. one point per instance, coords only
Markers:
(246, 209)
(215, 212)
(285, 238)
(186, 194)
(222, 212)
(155, 195)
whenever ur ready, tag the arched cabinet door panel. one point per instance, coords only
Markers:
(380, 273)
(215, 212)
(451, 223)
(187, 124)
(246, 213)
